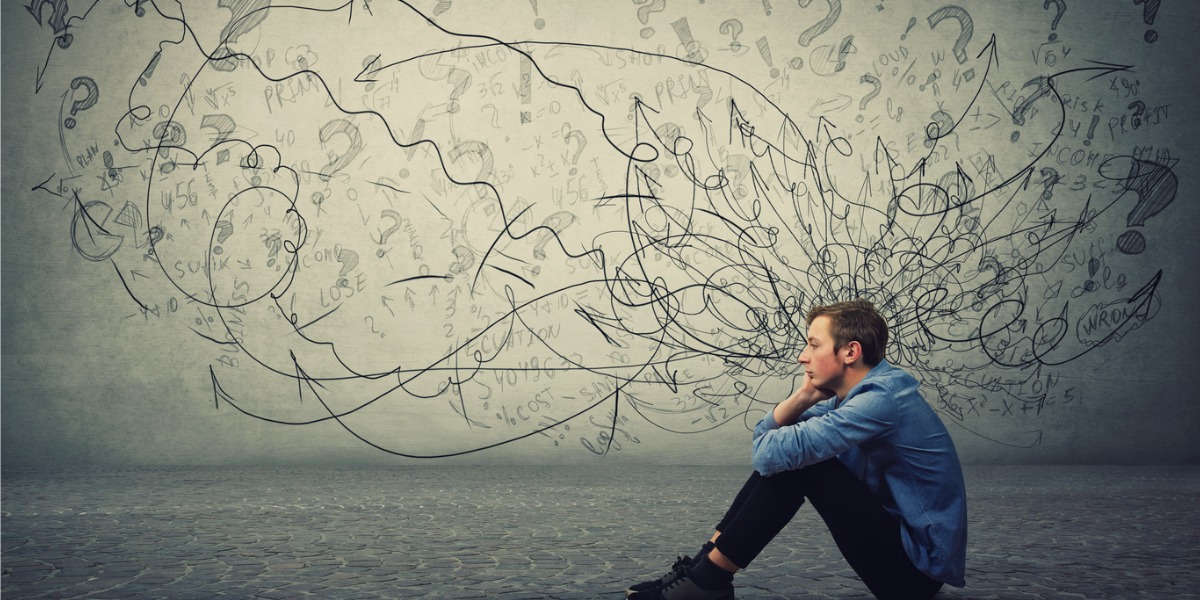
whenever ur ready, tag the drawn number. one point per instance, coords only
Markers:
(369, 320)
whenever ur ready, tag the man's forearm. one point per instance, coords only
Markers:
(788, 412)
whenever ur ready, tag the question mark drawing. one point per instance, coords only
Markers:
(461, 80)
(463, 260)
(486, 160)
(222, 123)
(650, 7)
(224, 231)
(247, 14)
(57, 20)
(1149, 13)
(959, 14)
(495, 114)
(1043, 87)
(432, 69)
(77, 106)
(1049, 179)
(941, 124)
(1155, 185)
(1139, 110)
(339, 162)
(170, 134)
(556, 222)
(349, 260)
(873, 80)
(387, 233)
(575, 134)
(835, 11)
(733, 28)
(1061, 8)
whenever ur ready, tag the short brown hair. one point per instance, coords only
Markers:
(855, 321)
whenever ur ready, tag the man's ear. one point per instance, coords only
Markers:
(852, 352)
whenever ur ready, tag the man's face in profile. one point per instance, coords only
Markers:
(824, 365)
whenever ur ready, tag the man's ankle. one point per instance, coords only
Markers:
(708, 575)
(720, 560)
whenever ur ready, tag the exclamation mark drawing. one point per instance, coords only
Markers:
(1092, 130)
(684, 32)
(764, 48)
(150, 69)
(540, 23)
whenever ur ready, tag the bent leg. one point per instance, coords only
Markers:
(759, 512)
(867, 535)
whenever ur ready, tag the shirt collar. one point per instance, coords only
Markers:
(883, 367)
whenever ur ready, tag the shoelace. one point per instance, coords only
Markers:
(681, 562)
(679, 577)
(679, 570)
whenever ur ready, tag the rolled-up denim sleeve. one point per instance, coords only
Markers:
(768, 422)
(824, 434)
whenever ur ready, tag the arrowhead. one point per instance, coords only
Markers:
(1145, 295)
(218, 392)
(1028, 178)
(369, 71)
(990, 48)
(1101, 69)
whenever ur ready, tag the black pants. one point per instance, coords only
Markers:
(865, 532)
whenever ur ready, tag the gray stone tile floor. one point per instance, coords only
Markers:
(1041, 532)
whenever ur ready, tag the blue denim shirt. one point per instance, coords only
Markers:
(888, 436)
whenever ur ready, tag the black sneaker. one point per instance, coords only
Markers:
(683, 588)
(679, 569)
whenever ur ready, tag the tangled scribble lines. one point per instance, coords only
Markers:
(569, 241)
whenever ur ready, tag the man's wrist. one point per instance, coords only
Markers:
(787, 412)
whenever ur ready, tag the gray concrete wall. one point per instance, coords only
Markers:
(555, 231)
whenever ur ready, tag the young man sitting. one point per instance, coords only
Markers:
(860, 443)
